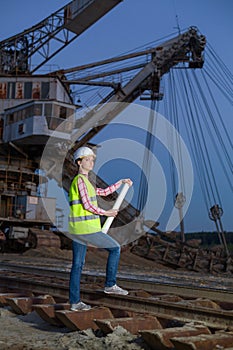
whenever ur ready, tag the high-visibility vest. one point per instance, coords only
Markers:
(82, 221)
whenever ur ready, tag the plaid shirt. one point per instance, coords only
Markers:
(99, 192)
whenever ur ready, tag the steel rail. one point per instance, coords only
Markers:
(154, 284)
(27, 283)
(162, 309)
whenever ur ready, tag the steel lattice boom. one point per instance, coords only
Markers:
(45, 39)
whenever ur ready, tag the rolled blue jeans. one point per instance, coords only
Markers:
(79, 247)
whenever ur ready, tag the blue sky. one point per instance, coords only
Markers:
(130, 25)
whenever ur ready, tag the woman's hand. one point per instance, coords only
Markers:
(127, 181)
(111, 212)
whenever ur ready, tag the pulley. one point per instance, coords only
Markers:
(215, 212)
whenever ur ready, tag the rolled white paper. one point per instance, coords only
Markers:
(116, 205)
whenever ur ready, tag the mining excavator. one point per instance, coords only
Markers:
(36, 108)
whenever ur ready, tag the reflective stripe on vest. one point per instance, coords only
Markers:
(82, 221)
(78, 201)
(81, 218)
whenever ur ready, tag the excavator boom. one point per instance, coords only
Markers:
(61, 27)
(185, 48)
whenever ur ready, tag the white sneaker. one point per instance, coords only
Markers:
(115, 290)
(80, 306)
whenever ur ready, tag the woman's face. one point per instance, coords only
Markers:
(86, 164)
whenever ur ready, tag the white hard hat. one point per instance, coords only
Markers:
(83, 152)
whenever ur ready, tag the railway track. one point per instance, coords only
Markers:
(180, 284)
(167, 306)
(150, 303)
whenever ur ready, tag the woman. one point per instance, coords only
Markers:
(85, 227)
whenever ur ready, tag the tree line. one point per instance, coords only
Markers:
(209, 239)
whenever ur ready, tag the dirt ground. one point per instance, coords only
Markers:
(96, 259)
(30, 332)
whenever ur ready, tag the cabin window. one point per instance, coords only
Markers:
(10, 118)
(38, 109)
(21, 128)
(28, 90)
(56, 110)
(45, 90)
(48, 109)
(62, 113)
(11, 90)
(29, 111)
(18, 116)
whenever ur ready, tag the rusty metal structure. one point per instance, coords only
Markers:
(31, 108)
(176, 320)
(61, 27)
(35, 107)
